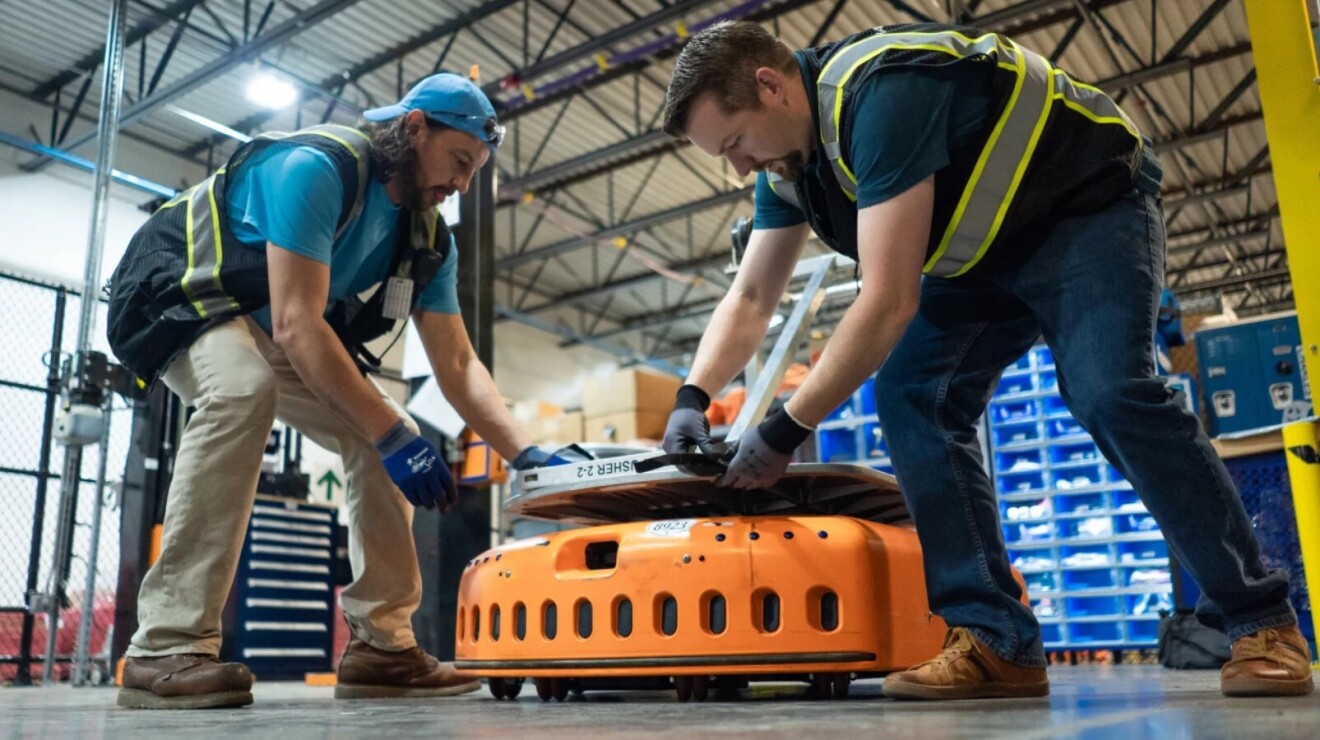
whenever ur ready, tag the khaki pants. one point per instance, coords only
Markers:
(239, 382)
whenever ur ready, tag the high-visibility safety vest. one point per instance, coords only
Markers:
(1051, 147)
(184, 271)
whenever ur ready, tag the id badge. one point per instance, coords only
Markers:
(398, 298)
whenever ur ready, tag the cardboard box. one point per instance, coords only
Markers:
(627, 426)
(562, 430)
(535, 409)
(630, 390)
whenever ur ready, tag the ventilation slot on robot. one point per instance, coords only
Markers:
(717, 614)
(602, 555)
(584, 619)
(770, 612)
(495, 623)
(520, 622)
(550, 620)
(669, 616)
(623, 617)
(829, 611)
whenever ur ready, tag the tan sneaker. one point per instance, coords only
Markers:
(1272, 662)
(966, 669)
(368, 673)
(184, 682)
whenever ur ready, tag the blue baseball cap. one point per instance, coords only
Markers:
(452, 100)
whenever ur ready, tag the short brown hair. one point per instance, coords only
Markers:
(722, 59)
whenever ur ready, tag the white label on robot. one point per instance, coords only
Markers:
(671, 528)
(605, 468)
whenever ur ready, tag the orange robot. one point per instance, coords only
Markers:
(781, 586)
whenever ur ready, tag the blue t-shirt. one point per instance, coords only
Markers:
(292, 197)
(900, 126)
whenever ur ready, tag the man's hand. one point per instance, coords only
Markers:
(688, 426)
(416, 468)
(762, 454)
(538, 457)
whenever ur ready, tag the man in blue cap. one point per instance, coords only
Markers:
(242, 294)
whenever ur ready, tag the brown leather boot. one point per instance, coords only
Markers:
(1272, 662)
(184, 682)
(368, 673)
(966, 669)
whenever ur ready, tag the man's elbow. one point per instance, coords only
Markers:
(287, 327)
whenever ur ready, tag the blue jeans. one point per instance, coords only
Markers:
(1091, 290)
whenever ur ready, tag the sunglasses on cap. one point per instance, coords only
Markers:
(490, 126)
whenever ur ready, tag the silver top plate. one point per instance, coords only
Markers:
(609, 491)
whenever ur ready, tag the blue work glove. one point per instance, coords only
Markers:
(688, 426)
(537, 457)
(762, 454)
(416, 468)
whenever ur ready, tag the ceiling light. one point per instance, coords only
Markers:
(269, 90)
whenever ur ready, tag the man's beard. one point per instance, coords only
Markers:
(793, 164)
(407, 175)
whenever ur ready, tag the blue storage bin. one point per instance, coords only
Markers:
(1022, 363)
(1063, 427)
(1113, 476)
(1094, 606)
(1088, 528)
(873, 441)
(837, 445)
(1091, 578)
(1136, 552)
(1051, 634)
(1073, 477)
(1044, 357)
(1143, 631)
(1028, 533)
(1022, 482)
(1049, 381)
(1074, 452)
(1046, 607)
(1040, 583)
(1135, 524)
(1019, 433)
(1018, 461)
(1002, 411)
(1081, 503)
(1016, 384)
(1085, 556)
(1095, 632)
(866, 397)
(1054, 406)
(1125, 497)
(1148, 604)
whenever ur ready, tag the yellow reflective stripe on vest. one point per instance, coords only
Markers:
(1003, 161)
(999, 169)
(201, 281)
(788, 194)
(845, 62)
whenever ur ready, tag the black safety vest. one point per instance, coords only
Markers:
(184, 271)
(1051, 147)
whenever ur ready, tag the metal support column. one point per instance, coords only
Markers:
(82, 399)
(1284, 47)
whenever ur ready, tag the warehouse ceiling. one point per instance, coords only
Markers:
(608, 232)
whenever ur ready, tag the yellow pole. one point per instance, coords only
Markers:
(1303, 453)
(1288, 79)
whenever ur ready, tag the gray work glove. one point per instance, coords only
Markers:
(762, 454)
(688, 426)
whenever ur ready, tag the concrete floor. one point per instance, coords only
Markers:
(1127, 702)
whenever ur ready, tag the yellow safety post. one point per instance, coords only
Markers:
(1288, 79)
(1303, 453)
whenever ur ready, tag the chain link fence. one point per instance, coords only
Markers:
(30, 488)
